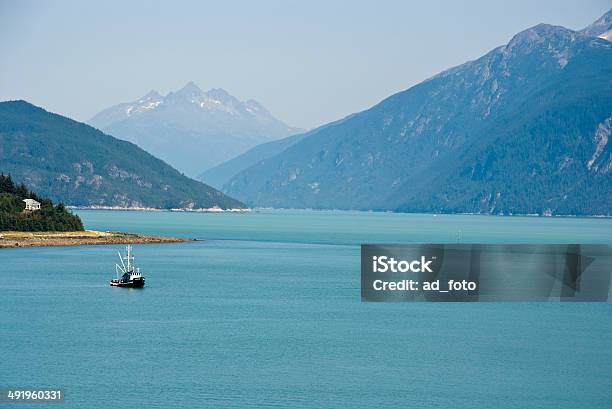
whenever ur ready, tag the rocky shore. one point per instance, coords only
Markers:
(78, 238)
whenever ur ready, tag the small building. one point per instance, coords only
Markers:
(31, 204)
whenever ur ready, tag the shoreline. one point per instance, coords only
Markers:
(259, 209)
(154, 209)
(16, 239)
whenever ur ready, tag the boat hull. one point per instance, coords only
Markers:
(136, 283)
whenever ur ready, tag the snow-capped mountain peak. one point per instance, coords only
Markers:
(190, 128)
(190, 96)
(215, 99)
(190, 89)
(153, 94)
(602, 27)
(150, 101)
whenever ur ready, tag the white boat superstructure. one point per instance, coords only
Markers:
(128, 275)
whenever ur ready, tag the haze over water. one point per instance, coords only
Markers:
(266, 311)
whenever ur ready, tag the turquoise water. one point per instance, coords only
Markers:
(266, 312)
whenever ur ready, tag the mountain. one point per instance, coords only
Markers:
(220, 174)
(522, 130)
(191, 129)
(74, 163)
(602, 27)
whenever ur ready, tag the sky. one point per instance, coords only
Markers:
(308, 62)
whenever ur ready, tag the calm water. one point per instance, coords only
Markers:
(266, 312)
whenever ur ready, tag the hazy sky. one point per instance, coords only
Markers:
(308, 62)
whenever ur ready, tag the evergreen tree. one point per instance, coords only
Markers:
(13, 215)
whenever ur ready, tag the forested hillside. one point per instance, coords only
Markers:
(525, 129)
(48, 218)
(74, 163)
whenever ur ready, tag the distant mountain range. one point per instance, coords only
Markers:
(222, 173)
(602, 27)
(76, 164)
(522, 130)
(190, 129)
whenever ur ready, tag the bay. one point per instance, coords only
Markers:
(264, 311)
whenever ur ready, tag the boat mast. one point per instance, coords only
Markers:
(128, 258)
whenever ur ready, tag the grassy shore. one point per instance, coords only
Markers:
(78, 238)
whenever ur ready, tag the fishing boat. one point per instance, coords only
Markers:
(128, 275)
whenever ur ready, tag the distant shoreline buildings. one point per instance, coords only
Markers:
(31, 205)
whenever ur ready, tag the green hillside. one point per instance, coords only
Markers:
(48, 218)
(74, 163)
(525, 129)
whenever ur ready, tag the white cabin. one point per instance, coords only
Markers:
(31, 204)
